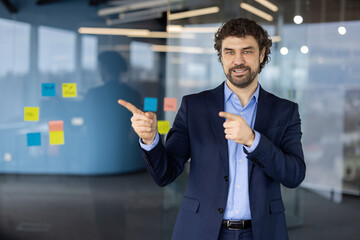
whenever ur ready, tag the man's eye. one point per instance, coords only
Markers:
(230, 52)
(247, 52)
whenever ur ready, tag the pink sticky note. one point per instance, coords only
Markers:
(170, 104)
(56, 126)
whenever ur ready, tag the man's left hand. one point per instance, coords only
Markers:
(237, 129)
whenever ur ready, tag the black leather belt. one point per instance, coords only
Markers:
(236, 225)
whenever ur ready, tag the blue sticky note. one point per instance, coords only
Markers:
(33, 139)
(48, 89)
(150, 104)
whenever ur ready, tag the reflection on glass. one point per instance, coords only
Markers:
(14, 67)
(142, 60)
(89, 52)
(56, 50)
(111, 144)
(14, 47)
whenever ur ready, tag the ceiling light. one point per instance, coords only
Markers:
(139, 33)
(256, 11)
(298, 19)
(183, 49)
(284, 50)
(114, 31)
(179, 28)
(174, 28)
(342, 30)
(165, 35)
(131, 7)
(304, 49)
(268, 4)
(276, 38)
(128, 19)
(193, 13)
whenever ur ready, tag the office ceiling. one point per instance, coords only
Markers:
(76, 13)
(313, 11)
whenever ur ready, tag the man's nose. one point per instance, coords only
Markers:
(239, 59)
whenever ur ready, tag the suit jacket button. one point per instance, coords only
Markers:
(226, 178)
(220, 210)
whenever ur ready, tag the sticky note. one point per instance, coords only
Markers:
(170, 104)
(163, 126)
(56, 137)
(33, 139)
(150, 104)
(56, 125)
(69, 90)
(48, 89)
(31, 114)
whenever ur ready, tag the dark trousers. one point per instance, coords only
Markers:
(244, 234)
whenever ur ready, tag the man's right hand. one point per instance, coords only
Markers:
(144, 124)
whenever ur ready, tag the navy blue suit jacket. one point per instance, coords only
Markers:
(198, 133)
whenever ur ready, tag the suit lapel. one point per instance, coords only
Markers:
(215, 104)
(262, 117)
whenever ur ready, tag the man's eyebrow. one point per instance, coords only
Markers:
(248, 48)
(244, 48)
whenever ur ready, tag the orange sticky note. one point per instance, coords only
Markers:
(163, 127)
(56, 125)
(170, 104)
(31, 114)
(56, 138)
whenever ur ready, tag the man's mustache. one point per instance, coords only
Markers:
(241, 66)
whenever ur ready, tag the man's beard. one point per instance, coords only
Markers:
(244, 80)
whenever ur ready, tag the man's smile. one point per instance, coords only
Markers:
(238, 71)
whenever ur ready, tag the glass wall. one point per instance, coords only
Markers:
(59, 94)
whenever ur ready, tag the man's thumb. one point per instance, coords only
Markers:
(150, 115)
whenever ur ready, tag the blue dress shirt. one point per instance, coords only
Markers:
(237, 207)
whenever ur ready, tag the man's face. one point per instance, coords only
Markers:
(241, 60)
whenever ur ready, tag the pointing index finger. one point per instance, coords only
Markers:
(130, 107)
(228, 115)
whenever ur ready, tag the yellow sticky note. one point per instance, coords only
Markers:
(69, 90)
(163, 127)
(56, 138)
(31, 113)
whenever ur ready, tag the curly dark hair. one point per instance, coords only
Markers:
(242, 27)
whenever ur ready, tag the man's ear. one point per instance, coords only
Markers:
(262, 54)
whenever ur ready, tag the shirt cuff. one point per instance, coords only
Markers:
(152, 145)
(255, 143)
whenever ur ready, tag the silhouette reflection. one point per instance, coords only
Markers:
(112, 144)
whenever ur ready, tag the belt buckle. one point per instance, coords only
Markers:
(228, 225)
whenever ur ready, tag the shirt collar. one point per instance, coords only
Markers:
(228, 93)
